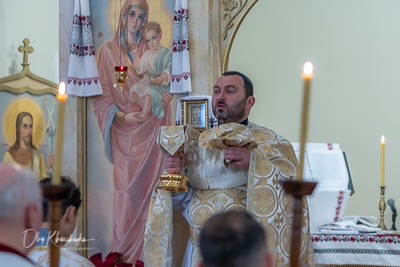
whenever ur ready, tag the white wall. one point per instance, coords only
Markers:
(37, 21)
(355, 49)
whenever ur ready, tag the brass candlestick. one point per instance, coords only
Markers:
(382, 208)
(55, 194)
(297, 189)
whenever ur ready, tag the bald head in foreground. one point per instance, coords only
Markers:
(20, 214)
(233, 239)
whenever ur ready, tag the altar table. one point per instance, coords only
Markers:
(347, 250)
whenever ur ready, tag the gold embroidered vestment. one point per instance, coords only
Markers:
(260, 193)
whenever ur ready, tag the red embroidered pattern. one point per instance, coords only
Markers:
(82, 44)
(81, 51)
(177, 78)
(82, 21)
(180, 15)
(383, 239)
(84, 81)
(338, 205)
(179, 46)
(183, 43)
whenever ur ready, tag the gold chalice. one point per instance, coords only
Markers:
(172, 139)
(173, 182)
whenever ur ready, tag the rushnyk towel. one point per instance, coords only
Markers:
(83, 78)
(181, 81)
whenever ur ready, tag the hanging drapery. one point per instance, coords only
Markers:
(181, 81)
(83, 78)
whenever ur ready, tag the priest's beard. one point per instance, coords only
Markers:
(233, 113)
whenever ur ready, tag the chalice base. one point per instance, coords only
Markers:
(173, 182)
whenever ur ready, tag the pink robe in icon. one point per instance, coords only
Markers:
(131, 147)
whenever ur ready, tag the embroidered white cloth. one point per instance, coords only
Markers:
(326, 164)
(180, 80)
(376, 250)
(83, 78)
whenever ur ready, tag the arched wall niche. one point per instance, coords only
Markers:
(233, 12)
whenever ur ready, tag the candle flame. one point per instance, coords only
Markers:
(382, 140)
(61, 88)
(308, 68)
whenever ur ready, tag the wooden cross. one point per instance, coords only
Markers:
(25, 49)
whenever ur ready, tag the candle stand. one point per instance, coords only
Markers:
(382, 208)
(297, 189)
(55, 194)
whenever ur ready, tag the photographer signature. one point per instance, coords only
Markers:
(53, 237)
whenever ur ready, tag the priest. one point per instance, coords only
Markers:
(236, 166)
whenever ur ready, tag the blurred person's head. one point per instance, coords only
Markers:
(233, 239)
(20, 207)
(69, 206)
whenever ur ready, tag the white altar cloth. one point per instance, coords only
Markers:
(376, 250)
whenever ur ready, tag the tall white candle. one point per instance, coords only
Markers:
(61, 97)
(307, 76)
(383, 161)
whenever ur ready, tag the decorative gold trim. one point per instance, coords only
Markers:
(231, 10)
(187, 106)
(228, 6)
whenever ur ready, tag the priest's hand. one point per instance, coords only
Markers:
(237, 156)
(174, 163)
